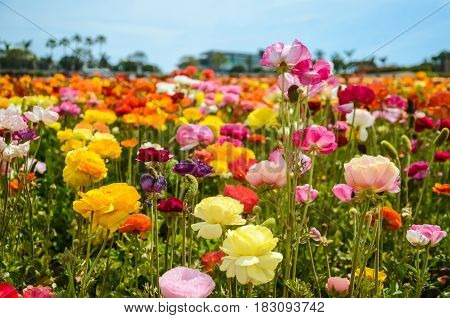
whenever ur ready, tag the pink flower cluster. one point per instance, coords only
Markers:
(189, 136)
(422, 235)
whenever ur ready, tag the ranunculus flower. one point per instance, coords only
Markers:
(395, 101)
(441, 156)
(236, 131)
(310, 74)
(441, 188)
(83, 168)
(152, 154)
(418, 170)
(267, 172)
(432, 233)
(11, 119)
(262, 117)
(356, 93)
(183, 282)
(249, 254)
(150, 184)
(289, 81)
(305, 193)
(38, 292)
(171, 205)
(190, 135)
(137, 223)
(378, 174)
(361, 119)
(345, 108)
(211, 259)
(8, 291)
(423, 123)
(217, 212)
(196, 168)
(315, 140)
(315, 234)
(240, 167)
(41, 114)
(280, 54)
(338, 285)
(392, 221)
(243, 194)
(343, 192)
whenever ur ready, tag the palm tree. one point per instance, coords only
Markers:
(217, 60)
(26, 44)
(188, 60)
(101, 40)
(64, 42)
(51, 44)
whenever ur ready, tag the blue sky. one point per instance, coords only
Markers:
(168, 29)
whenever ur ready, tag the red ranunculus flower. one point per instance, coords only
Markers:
(211, 259)
(171, 205)
(441, 156)
(356, 94)
(8, 291)
(423, 123)
(239, 168)
(38, 292)
(246, 196)
(152, 154)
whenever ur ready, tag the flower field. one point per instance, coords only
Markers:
(298, 184)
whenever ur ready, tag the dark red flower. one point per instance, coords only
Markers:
(170, 205)
(211, 259)
(152, 154)
(243, 194)
(122, 110)
(423, 123)
(8, 291)
(239, 168)
(441, 156)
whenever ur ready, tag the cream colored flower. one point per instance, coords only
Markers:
(249, 255)
(217, 212)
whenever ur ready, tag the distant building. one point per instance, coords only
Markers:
(230, 61)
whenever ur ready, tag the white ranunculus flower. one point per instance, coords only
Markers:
(41, 114)
(363, 119)
(416, 238)
(164, 87)
(13, 150)
(11, 119)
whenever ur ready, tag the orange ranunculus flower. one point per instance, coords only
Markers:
(257, 139)
(392, 221)
(441, 188)
(129, 143)
(137, 223)
(17, 184)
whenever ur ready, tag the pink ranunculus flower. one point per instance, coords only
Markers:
(38, 292)
(338, 285)
(183, 282)
(289, 81)
(378, 174)
(315, 234)
(310, 74)
(343, 192)
(304, 162)
(190, 136)
(305, 193)
(432, 232)
(280, 54)
(270, 172)
(356, 93)
(67, 109)
(315, 140)
(345, 108)
(67, 94)
(236, 131)
(418, 170)
(395, 101)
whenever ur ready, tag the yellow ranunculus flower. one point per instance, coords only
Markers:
(105, 145)
(64, 135)
(217, 212)
(56, 126)
(71, 144)
(261, 117)
(108, 206)
(213, 122)
(369, 273)
(192, 114)
(249, 255)
(82, 134)
(220, 167)
(100, 116)
(83, 168)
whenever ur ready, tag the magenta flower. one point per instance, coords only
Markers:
(343, 192)
(315, 234)
(67, 109)
(418, 170)
(183, 282)
(305, 193)
(154, 155)
(345, 108)
(395, 101)
(190, 135)
(315, 140)
(356, 93)
(236, 131)
(432, 233)
(309, 74)
(441, 156)
(67, 94)
(280, 54)
(38, 292)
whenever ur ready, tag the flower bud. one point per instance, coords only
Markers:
(441, 138)
(147, 181)
(270, 223)
(406, 143)
(389, 149)
(256, 209)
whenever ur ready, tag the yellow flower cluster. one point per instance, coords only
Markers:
(99, 116)
(262, 117)
(105, 145)
(108, 206)
(249, 255)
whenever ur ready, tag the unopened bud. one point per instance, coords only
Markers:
(441, 138)
(406, 143)
(270, 223)
(389, 148)
(256, 209)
